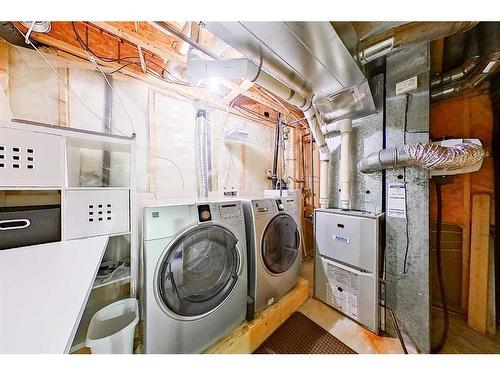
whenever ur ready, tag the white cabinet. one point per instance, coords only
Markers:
(95, 212)
(30, 159)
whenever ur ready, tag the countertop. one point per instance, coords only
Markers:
(43, 292)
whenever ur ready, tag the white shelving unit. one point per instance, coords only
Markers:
(36, 157)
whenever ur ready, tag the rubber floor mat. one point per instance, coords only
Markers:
(300, 335)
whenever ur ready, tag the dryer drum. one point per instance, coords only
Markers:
(280, 244)
(199, 271)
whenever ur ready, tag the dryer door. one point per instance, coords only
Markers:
(280, 244)
(199, 270)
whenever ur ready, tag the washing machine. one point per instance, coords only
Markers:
(274, 250)
(195, 274)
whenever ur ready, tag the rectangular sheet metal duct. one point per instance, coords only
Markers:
(308, 56)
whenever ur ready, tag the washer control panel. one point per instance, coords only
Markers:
(231, 211)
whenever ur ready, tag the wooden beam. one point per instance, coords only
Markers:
(466, 241)
(63, 96)
(136, 38)
(479, 263)
(248, 337)
(466, 214)
(4, 69)
(143, 62)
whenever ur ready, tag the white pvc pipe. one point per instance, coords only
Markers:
(174, 69)
(345, 169)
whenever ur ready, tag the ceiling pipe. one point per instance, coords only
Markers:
(487, 37)
(414, 32)
(176, 70)
(245, 69)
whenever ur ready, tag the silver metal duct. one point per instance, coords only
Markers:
(482, 61)
(307, 56)
(202, 152)
(428, 156)
(414, 32)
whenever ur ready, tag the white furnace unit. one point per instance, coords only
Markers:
(347, 263)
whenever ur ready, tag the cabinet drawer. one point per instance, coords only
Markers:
(30, 225)
(29, 158)
(96, 212)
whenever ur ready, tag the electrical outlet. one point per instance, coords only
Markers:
(407, 85)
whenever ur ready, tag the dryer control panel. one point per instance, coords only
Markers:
(264, 207)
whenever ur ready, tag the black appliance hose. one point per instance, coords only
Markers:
(444, 334)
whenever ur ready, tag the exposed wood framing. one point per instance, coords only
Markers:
(143, 62)
(118, 39)
(466, 241)
(4, 68)
(63, 96)
(466, 231)
(479, 259)
(143, 38)
(161, 46)
(249, 336)
(71, 50)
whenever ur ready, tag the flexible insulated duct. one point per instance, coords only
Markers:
(428, 156)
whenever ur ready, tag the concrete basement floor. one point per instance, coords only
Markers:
(350, 333)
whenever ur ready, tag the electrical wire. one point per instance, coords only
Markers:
(398, 331)
(147, 61)
(407, 227)
(176, 167)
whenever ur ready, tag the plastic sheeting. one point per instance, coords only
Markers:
(34, 96)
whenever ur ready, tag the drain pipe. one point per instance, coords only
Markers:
(177, 71)
(202, 152)
(244, 68)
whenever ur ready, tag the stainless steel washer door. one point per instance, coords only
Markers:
(199, 270)
(280, 244)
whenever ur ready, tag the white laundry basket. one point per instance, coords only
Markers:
(111, 329)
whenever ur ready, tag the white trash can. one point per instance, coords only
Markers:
(111, 329)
